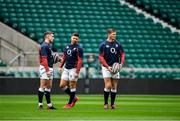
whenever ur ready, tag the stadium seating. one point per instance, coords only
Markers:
(2, 64)
(168, 10)
(25, 74)
(146, 44)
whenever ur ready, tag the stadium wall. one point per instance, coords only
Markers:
(125, 86)
(13, 43)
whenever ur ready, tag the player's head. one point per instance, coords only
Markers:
(49, 36)
(111, 33)
(75, 38)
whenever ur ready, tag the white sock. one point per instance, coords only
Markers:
(48, 90)
(106, 90)
(41, 89)
(49, 105)
(114, 90)
(73, 90)
(40, 104)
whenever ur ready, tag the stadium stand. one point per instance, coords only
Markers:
(146, 44)
(2, 64)
(168, 10)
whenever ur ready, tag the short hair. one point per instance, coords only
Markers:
(76, 34)
(109, 31)
(47, 33)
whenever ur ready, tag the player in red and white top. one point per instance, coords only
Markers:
(73, 59)
(110, 52)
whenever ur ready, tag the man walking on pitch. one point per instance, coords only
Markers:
(72, 58)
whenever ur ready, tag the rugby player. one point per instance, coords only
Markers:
(110, 52)
(46, 70)
(73, 59)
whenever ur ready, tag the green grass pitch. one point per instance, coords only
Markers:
(90, 108)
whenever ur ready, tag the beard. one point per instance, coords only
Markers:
(50, 41)
(75, 42)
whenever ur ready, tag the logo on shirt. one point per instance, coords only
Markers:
(113, 50)
(69, 52)
(116, 45)
(107, 46)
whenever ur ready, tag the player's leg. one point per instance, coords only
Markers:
(48, 90)
(41, 93)
(48, 94)
(73, 98)
(43, 79)
(114, 83)
(64, 86)
(107, 87)
(72, 77)
(72, 85)
(64, 82)
(73, 90)
(113, 92)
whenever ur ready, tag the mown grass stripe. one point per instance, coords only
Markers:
(139, 107)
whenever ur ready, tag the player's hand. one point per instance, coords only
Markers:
(76, 75)
(60, 59)
(110, 69)
(120, 66)
(60, 70)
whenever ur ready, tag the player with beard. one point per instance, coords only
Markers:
(72, 58)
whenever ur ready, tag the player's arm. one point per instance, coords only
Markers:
(63, 59)
(122, 56)
(101, 56)
(80, 60)
(44, 56)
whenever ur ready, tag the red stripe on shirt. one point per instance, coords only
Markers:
(79, 65)
(122, 56)
(44, 62)
(102, 60)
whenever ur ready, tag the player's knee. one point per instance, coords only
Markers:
(113, 86)
(48, 86)
(72, 85)
(62, 85)
(42, 86)
(108, 85)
